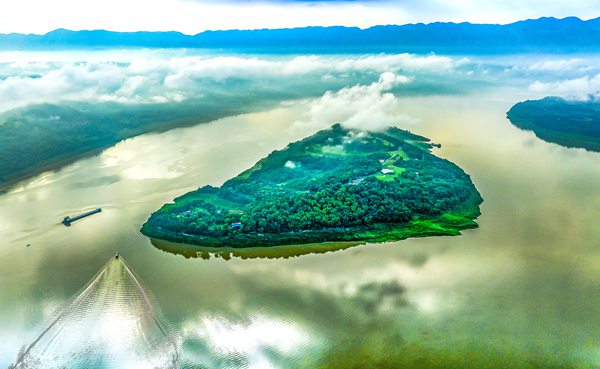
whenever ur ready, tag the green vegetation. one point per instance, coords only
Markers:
(397, 354)
(44, 137)
(567, 123)
(338, 185)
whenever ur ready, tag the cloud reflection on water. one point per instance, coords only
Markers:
(522, 287)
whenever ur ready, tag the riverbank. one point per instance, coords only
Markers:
(32, 144)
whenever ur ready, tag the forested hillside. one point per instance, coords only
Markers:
(337, 185)
(567, 123)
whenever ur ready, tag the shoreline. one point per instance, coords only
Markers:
(376, 234)
(56, 164)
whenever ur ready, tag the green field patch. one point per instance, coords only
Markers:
(391, 176)
(337, 150)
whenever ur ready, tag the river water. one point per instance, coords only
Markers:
(523, 290)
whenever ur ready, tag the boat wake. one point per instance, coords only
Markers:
(112, 323)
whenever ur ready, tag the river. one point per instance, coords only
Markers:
(522, 288)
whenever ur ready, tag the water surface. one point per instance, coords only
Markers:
(521, 288)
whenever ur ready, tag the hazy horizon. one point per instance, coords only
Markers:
(194, 16)
(584, 19)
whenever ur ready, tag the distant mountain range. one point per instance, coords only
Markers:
(547, 35)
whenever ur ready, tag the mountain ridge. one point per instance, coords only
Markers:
(546, 34)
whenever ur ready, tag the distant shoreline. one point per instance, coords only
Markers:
(572, 124)
(30, 166)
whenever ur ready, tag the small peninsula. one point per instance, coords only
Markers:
(564, 122)
(338, 185)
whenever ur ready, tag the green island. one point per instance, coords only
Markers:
(564, 122)
(338, 185)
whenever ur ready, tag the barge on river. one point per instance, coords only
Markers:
(68, 220)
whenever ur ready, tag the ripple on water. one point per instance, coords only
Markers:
(112, 323)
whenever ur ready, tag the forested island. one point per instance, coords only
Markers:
(567, 123)
(336, 185)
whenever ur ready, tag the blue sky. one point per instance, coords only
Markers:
(193, 16)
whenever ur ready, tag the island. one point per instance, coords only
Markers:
(338, 185)
(564, 122)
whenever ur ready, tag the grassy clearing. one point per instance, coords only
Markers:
(392, 176)
(337, 150)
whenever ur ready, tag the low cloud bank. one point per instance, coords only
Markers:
(560, 65)
(366, 107)
(584, 88)
(158, 79)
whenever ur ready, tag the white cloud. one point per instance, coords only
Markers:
(380, 63)
(188, 16)
(559, 65)
(252, 340)
(72, 81)
(163, 78)
(366, 107)
(582, 88)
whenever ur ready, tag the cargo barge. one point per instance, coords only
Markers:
(68, 220)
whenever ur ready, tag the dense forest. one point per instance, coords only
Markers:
(556, 120)
(337, 185)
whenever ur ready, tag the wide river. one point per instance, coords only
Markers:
(523, 288)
